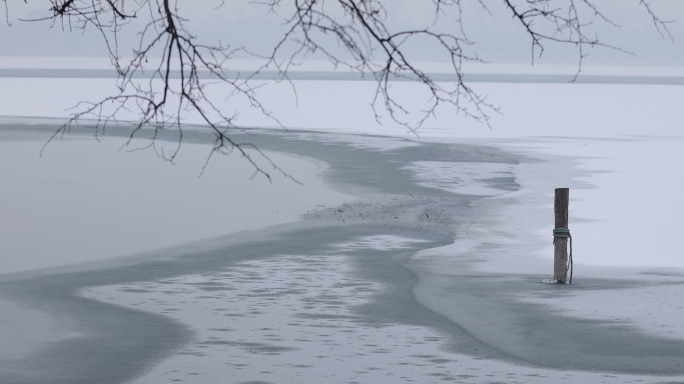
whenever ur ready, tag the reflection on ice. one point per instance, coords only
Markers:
(293, 319)
(483, 179)
(356, 141)
(379, 242)
(655, 310)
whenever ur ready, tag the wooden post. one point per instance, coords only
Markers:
(560, 254)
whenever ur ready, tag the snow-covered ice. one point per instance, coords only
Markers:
(304, 316)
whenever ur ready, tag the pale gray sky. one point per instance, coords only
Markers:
(498, 38)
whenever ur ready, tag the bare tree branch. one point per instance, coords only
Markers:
(547, 21)
(169, 72)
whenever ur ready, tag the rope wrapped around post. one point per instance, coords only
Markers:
(565, 233)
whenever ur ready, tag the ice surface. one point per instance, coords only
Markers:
(382, 242)
(626, 191)
(28, 329)
(617, 147)
(656, 310)
(626, 135)
(274, 321)
(84, 200)
(364, 142)
(462, 178)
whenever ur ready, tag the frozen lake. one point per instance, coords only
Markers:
(400, 259)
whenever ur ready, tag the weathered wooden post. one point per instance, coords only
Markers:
(561, 234)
